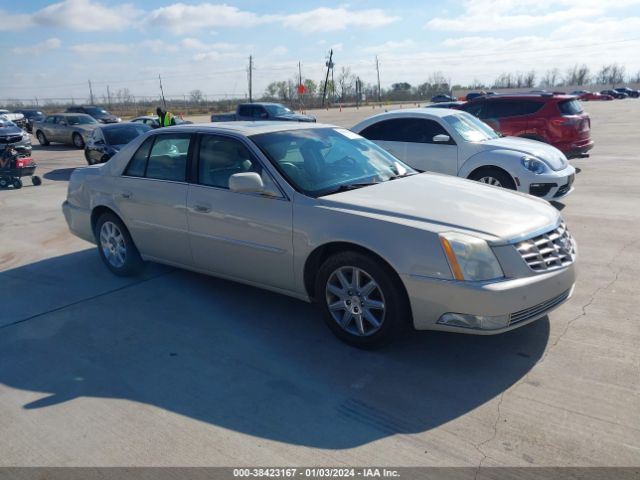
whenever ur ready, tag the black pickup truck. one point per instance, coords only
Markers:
(261, 111)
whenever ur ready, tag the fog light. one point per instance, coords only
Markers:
(478, 322)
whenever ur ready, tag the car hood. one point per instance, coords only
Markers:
(446, 203)
(87, 127)
(10, 130)
(549, 154)
(296, 117)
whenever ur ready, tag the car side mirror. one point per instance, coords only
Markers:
(247, 182)
(441, 138)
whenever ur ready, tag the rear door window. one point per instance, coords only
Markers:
(138, 163)
(168, 158)
(511, 108)
(244, 110)
(410, 130)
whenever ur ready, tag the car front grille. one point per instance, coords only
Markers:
(549, 251)
(11, 139)
(538, 310)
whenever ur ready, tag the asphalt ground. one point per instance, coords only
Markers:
(176, 368)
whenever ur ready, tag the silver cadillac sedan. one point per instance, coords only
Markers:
(321, 214)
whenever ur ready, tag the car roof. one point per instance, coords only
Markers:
(69, 114)
(114, 126)
(424, 111)
(522, 96)
(245, 128)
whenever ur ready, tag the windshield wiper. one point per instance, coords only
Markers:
(408, 174)
(349, 186)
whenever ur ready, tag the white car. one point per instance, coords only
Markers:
(456, 143)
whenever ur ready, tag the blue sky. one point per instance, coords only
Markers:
(51, 49)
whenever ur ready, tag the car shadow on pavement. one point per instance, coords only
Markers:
(244, 359)
(60, 174)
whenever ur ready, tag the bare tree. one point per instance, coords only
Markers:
(550, 78)
(196, 96)
(603, 75)
(345, 82)
(617, 74)
(577, 75)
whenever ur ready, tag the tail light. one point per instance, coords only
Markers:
(566, 121)
(23, 162)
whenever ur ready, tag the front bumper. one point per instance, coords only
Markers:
(523, 300)
(550, 186)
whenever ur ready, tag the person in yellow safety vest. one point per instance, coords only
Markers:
(165, 119)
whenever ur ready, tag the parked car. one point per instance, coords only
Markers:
(456, 143)
(629, 91)
(442, 97)
(445, 105)
(321, 214)
(70, 128)
(11, 134)
(585, 96)
(99, 113)
(31, 115)
(153, 122)
(555, 119)
(472, 95)
(107, 140)
(615, 94)
(17, 118)
(262, 111)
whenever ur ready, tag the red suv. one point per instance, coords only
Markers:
(555, 119)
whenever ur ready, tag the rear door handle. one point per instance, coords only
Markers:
(126, 194)
(201, 208)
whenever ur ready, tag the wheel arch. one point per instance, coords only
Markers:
(100, 210)
(317, 257)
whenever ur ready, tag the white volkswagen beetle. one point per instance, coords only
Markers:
(456, 143)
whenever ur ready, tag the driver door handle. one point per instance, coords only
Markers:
(201, 208)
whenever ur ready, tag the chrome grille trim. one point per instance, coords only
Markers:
(549, 251)
(538, 310)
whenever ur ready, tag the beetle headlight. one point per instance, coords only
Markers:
(469, 257)
(533, 164)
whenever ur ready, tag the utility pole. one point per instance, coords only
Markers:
(329, 65)
(250, 78)
(164, 102)
(358, 91)
(378, 70)
(109, 97)
(90, 93)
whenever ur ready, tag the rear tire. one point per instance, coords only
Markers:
(42, 139)
(36, 180)
(4, 182)
(493, 176)
(115, 246)
(363, 300)
(17, 184)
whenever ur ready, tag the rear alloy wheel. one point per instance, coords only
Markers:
(42, 140)
(363, 301)
(495, 177)
(116, 247)
(78, 142)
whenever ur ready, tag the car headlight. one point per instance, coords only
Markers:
(533, 164)
(470, 258)
(26, 136)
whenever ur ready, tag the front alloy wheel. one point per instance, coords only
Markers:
(490, 181)
(355, 301)
(362, 298)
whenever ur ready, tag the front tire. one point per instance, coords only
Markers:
(363, 301)
(116, 247)
(42, 139)
(78, 142)
(493, 176)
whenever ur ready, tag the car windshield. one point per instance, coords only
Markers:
(123, 134)
(4, 122)
(321, 161)
(81, 120)
(96, 111)
(470, 128)
(277, 109)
